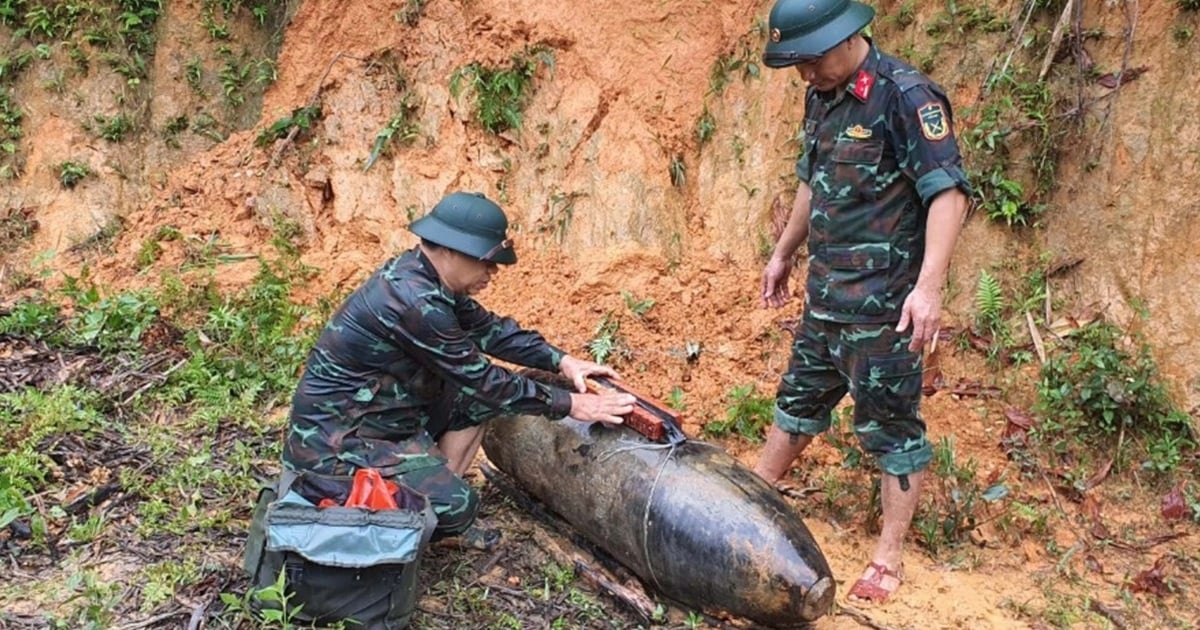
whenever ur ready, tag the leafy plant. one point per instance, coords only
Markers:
(606, 342)
(1188, 5)
(501, 93)
(113, 128)
(193, 73)
(744, 59)
(111, 324)
(1096, 390)
(636, 306)
(10, 133)
(841, 437)
(989, 302)
(562, 211)
(233, 77)
(70, 173)
(748, 415)
(148, 253)
(952, 509)
(400, 129)
(675, 399)
(278, 612)
(301, 119)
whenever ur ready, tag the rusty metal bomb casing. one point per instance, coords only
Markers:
(693, 524)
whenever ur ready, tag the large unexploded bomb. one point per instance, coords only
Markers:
(688, 519)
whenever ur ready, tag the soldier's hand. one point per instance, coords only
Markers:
(607, 408)
(775, 282)
(579, 370)
(923, 311)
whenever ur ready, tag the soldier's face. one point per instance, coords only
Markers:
(831, 70)
(468, 275)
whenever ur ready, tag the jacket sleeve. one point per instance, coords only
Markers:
(429, 331)
(924, 141)
(503, 337)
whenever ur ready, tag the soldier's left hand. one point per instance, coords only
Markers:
(579, 370)
(923, 311)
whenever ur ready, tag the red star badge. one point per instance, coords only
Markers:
(862, 84)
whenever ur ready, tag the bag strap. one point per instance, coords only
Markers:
(286, 479)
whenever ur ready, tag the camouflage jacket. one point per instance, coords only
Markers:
(875, 156)
(383, 360)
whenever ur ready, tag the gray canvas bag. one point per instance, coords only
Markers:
(339, 564)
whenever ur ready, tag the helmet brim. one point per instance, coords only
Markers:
(436, 231)
(811, 46)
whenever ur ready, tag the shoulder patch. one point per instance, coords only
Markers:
(934, 124)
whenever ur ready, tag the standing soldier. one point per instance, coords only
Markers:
(881, 200)
(400, 379)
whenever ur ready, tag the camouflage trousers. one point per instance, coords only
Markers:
(454, 501)
(873, 363)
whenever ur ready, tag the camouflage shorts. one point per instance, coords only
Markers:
(454, 501)
(873, 363)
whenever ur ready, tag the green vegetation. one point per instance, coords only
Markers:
(301, 120)
(1096, 390)
(607, 342)
(743, 59)
(10, 133)
(953, 503)
(71, 173)
(401, 128)
(562, 211)
(112, 128)
(706, 126)
(675, 399)
(748, 415)
(636, 306)
(1188, 5)
(990, 311)
(501, 93)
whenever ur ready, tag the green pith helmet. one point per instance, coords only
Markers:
(803, 30)
(469, 223)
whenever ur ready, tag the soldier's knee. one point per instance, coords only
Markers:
(456, 512)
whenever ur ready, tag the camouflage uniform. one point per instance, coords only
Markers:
(875, 156)
(401, 362)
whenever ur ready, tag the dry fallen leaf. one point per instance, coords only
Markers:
(1174, 505)
(1152, 580)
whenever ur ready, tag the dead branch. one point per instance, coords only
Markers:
(198, 614)
(861, 617)
(1055, 40)
(637, 602)
(1037, 338)
(1108, 613)
(1029, 7)
(152, 621)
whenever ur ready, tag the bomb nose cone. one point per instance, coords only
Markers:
(818, 601)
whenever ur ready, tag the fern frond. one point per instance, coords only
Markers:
(989, 298)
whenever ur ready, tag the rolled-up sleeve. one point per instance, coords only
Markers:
(926, 148)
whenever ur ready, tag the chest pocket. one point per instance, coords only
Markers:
(856, 165)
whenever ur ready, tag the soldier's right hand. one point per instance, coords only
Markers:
(606, 407)
(775, 282)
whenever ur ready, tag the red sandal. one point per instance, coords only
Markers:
(871, 588)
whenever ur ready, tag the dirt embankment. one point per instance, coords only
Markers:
(616, 199)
